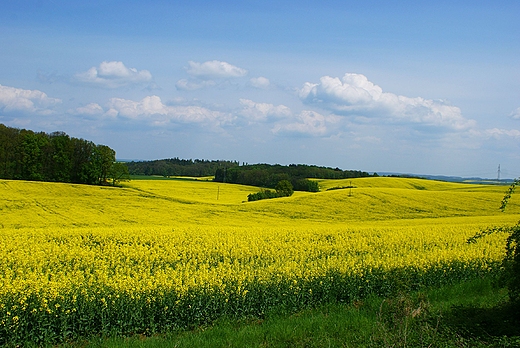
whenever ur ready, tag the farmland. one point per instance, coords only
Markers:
(157, 255)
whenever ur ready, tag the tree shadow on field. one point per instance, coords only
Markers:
(484, 323)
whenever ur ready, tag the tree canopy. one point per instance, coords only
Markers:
(28, 155)
(178, 167)
(267, 175)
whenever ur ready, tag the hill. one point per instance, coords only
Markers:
(167, 202)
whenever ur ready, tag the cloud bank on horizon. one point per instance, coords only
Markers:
(259, 110)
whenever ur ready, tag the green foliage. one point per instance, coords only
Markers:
(263, 194)
(511, 264)
(181, 167)
(510, 276)
(305, 185)
(512, 259)
(27, 155)
(118, 172)
(284, 188)
(450, 316)
(266, 175)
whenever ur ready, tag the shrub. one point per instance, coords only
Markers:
(306, 185)
(263, 194)
(284, 188)
(510, 276)
(511, 265)
(511, 261)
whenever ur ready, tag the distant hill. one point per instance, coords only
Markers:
(473, 180)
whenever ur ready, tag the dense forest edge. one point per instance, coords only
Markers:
(57, 157)
(260, 175)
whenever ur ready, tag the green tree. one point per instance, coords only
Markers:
(33, 145)
(84, 168)
(284, 188)
(10, 144)
(104, 160)
(60, 161)
(118, 172)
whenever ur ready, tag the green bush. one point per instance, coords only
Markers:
(263, 194)
(511, 263)
(284, 188)
(306, 185)
(510, 276)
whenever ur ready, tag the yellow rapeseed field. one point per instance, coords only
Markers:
(160, 254)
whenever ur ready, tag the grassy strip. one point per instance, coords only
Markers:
(466, 314)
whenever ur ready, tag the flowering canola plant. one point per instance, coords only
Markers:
(147, 258)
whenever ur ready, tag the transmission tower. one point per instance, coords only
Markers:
(498, 176)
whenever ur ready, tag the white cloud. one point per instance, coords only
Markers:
(32, 101)
(263, 111)
(113, 75)
(307, 123)
(191, 85)
(260, 82)
(214, 69)
(355, 95)
(151, 110)
(498, 133)
(515, 114)
(91, 109)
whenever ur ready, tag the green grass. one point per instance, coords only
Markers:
(467, 314)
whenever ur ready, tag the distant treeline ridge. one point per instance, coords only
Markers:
(267, 175)
(178, 167)
(260, 175)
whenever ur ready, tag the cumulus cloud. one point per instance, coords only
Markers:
(355, 95)
(262, 111)
(515, 114)
(153, 111)
(113, 75)
(214, 69)
(306, 123)
(260, 82)
(91, 109)
(23, 100)
(309, 123)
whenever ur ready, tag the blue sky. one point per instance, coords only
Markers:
(406, 86)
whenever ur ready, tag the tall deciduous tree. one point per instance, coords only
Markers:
(118, 172)
(27, 155)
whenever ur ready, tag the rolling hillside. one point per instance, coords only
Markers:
(157, 255)
(169, 202)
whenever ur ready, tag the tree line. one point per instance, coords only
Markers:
(178, 167)
(39, 156)
(267, 175)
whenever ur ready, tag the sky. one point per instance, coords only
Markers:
(419, 87)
